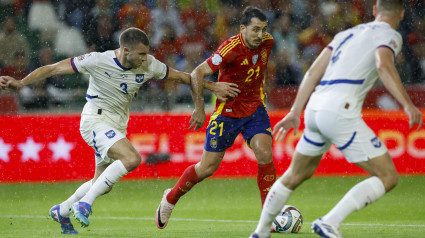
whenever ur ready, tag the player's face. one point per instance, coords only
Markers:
(254, 32)
(137, 55)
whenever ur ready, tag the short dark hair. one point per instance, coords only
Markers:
(251, 12)
(390, 5)
(133, 36)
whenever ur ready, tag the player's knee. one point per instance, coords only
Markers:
(264, 156)
(133, 161)
(390, 181)
(206, 171)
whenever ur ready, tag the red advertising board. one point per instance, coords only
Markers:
(50, 148)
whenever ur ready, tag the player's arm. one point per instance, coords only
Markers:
(384, 58)
(222, 90)
(60, 68)
(310, 81)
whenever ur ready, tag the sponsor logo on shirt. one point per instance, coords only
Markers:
(245, 62)
(216, 59)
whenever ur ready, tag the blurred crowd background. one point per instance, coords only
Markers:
(183, 33)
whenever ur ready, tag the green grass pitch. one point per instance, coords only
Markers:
(214, 208)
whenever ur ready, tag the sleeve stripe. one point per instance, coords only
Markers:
(73, 65)
(228, 47)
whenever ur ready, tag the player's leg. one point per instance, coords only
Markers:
(257, 134)
(126, 159)
(359, 145)
(384, 178)
(301, 168)
(261, 144)
(194, 174)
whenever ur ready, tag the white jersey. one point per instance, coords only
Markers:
(352, 72)
(112, 87)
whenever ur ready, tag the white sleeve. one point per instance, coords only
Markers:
(158, 69)
(82, 63)
(392, 40)
(336, 40)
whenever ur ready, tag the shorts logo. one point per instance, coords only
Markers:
(216, 59)
(110, 134)
(140, 78)
(254, 59)
(376, 142)
(213, 143)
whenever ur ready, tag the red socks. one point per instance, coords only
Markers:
(266, 177)
(185, 183)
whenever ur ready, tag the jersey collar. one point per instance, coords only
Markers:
(120, 65)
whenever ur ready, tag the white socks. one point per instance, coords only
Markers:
(106, 180)
(359, 196)
(275, 200)
(78, 194)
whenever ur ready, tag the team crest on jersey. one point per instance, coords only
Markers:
(376, 142)
(213, 143)
(254, 59)
(216, 59)
(140, 78)
(264, 56)
(110, 134)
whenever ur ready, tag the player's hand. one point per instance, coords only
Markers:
(291, 120)
(224, 91)
(198, 119)
(9, 82)
(415, 117)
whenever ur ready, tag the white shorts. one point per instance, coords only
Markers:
(99, 135)
(350, 135)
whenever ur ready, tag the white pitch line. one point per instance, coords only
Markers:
(203, 220)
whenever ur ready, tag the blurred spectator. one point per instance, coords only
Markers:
(341, 16)
(43, 17)
(227, 23)
(17, 69)
(139, 11)
(169, 44)
(285, 39)
(11, 41)
(102, 38)
(101, 7)
(416, 41)
(74, 12)
(285, 72)
(165, 13)
(198, 14)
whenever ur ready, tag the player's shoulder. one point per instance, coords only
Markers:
(230, 44)
(268, 39)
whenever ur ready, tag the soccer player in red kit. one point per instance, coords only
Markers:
(242, 59)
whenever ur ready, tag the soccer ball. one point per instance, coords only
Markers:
(289, 220)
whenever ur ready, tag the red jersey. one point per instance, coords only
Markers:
(245, 67)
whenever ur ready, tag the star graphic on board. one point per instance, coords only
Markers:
(30, 150)
(61, 149)
(4, 150)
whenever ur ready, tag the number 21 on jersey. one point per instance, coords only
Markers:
(251, 73)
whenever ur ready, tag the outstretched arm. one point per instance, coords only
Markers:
(384, 58)
(310, 81)
(222, 90)
(62, 67)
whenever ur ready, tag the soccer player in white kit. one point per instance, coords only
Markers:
(341, 76)
(115, 78)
